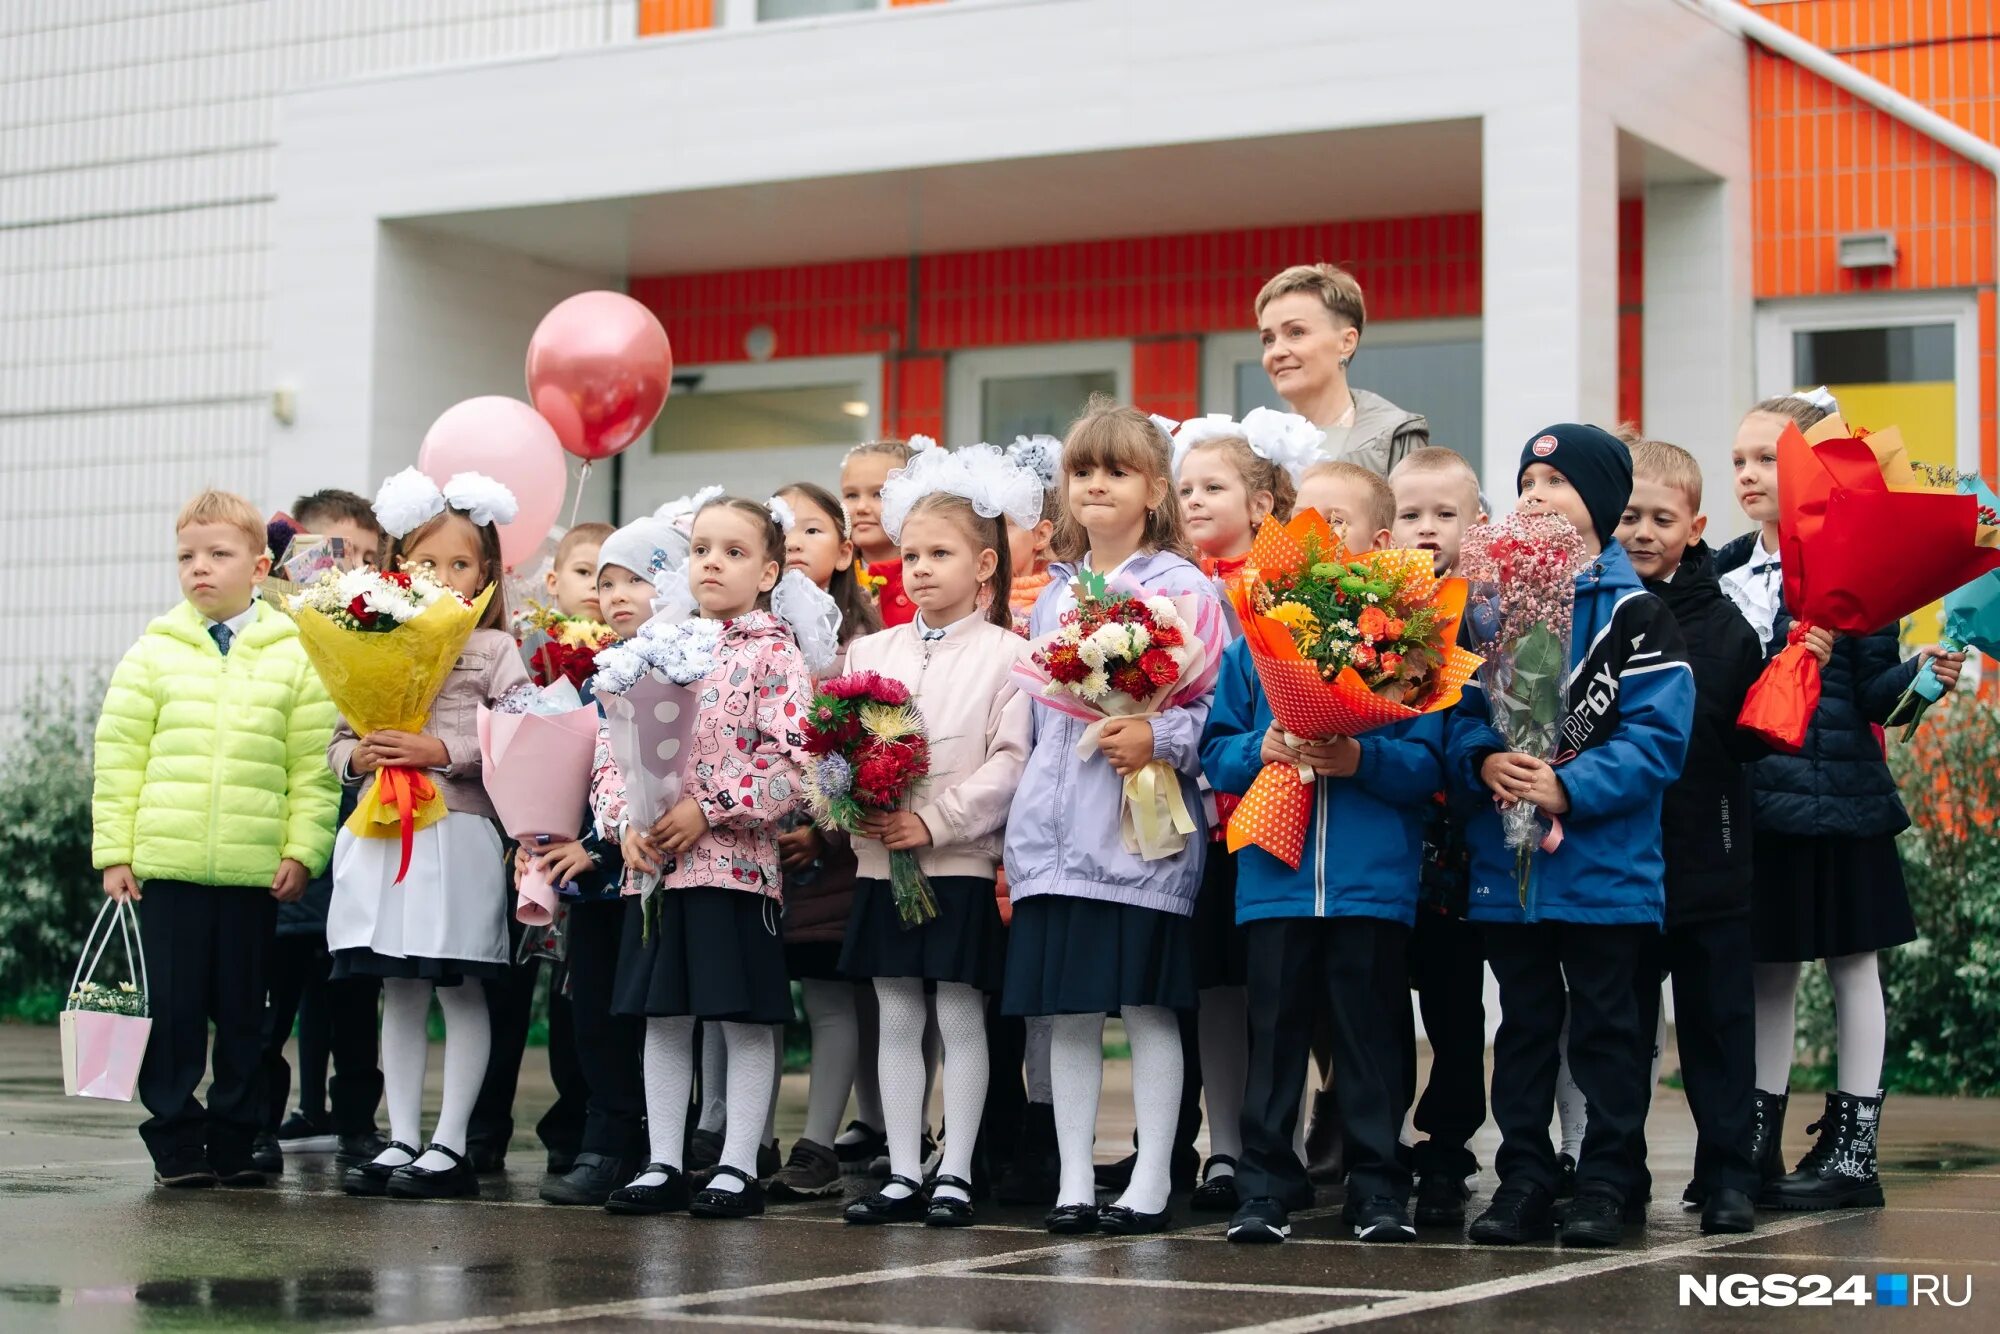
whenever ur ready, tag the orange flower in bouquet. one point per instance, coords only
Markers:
(1863, 541)
(1343, 644)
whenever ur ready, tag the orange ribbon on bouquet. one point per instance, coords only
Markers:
(403, 798)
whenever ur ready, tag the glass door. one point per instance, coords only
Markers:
(997, 394)
(1904, 361)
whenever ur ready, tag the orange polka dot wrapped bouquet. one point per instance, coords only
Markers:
(1343, 644)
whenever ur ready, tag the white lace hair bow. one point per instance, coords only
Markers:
(1283, 438)
(410, 499)
(1039, 454)
(980, 473)
(782, 513)
(813, 616)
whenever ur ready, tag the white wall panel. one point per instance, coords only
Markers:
(136, 157)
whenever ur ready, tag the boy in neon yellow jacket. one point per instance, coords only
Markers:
(213, 804)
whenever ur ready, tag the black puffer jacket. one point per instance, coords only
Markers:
(1706, 818)
(1839, 784)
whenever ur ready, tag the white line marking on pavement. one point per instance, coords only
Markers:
(1504, 1287)
(1193, 1285)
(804, 1322)
(653, 1306)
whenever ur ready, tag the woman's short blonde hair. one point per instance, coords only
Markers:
(1334, 286)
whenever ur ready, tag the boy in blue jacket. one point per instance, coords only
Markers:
(1596, 901)
(1337, 926)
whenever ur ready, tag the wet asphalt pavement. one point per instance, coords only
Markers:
(86, 1243)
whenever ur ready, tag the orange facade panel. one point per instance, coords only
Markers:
(658, 16)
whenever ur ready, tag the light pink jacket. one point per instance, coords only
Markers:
(980, 728)
(744, 771)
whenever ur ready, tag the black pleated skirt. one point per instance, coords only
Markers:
(1219, 957)
(1068, 955)
(963, 943)
(1821, 897)
(438, 972)
(710, 952)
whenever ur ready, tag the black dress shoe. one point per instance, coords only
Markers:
(354, 1150)
(1216, 1194)
(1441, 1200)
(459, 1181)
(487, 1158)
(1728, 1210)
(372, 1178)
(885, 1208)
(241, 1176)
(1071, 1219)
(1594, 1218)
(669, 1197)
(1119, 1221)
(713, 1203)
(590, 1180)
(949, 1210)
(186, 1173)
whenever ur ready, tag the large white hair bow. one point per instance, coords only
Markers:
(979, 473)
(410, 499)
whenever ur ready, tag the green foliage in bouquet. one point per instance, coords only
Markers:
(51, 890)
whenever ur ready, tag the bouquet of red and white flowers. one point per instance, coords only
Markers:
(872, 753)
(1125, 653)
(568, 646)
(370, 600)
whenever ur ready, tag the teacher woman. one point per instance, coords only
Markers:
(1310, 319)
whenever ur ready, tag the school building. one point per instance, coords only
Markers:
(265, 243)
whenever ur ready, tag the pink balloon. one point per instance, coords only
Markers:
(511, 443)
(599, 367)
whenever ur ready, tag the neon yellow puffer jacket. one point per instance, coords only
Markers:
(211, 769)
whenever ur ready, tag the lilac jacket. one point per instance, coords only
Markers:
(1063, 830)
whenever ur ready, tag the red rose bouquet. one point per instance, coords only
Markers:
(562, 647)
(870, 753)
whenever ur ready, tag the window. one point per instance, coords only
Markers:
(999, 394)
(1428, 366)
(747, 419)
(802, 9)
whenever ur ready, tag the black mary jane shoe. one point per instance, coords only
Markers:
(884, 1208)
(713, 1203)
(459, 1181)
(1216, 1194)
(371, 1177)
(1071, 1219)
(1119, 1221)
(947, 1210)
(669, 1197)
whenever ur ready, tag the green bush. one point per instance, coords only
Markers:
(1943, 989)
(50, 889)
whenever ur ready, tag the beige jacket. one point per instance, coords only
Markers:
(979, 727)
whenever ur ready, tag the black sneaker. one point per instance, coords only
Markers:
(187, 1172)
(1594, 1218)
(1518, 1214)
(306, 1132)
(266, 1155)
(1378, 1218)
(354, 1150)
(858, 1146)
(812, 1173)
(1441, 1200)
(1260, 1221)
(713, 1203)
(589, 1181)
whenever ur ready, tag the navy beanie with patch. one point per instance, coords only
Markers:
(1596, 463)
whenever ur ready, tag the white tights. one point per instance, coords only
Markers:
(669, 1072)
(904, 1075)
(406, 1009)
(1076, 1070)
(836, 1045)
(1860, 1018)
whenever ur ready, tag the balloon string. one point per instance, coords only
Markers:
(577, 504)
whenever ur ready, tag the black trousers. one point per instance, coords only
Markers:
(1356, 966)
(606, 1047)
(1608, 1052)
(510, 1005)
(1715, 1026)
(339, 1023)
(207, 947)
(1448, 973)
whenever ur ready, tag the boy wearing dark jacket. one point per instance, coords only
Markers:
(1705, 826)
(1595, 902)
(1340, 922)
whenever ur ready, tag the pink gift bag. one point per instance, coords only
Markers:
(102, 1048)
